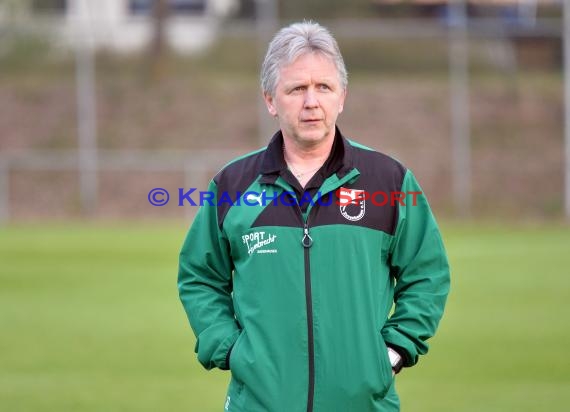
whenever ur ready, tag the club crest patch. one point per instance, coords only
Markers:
(352, 203)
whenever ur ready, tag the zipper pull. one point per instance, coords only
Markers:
(307, 240)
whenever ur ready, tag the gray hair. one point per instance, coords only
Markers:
(293, 41)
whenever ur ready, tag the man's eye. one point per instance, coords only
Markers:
(324, 87)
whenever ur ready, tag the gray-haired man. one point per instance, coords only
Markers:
(293, 292)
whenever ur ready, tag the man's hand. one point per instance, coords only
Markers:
(396, 361)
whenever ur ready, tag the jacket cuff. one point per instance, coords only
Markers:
(229, 354)
(229, 344)
(213, 344)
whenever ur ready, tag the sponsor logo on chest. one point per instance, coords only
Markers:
(259, 242)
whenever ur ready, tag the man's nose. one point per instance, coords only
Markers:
(311, 100)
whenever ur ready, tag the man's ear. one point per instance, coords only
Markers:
(343, 97)
(270, 104)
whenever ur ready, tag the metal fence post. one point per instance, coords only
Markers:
(459, 101)
(86, 109)
(267, 20)
(4, 192)
(566, 35)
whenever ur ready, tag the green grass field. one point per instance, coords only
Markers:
(90, 321)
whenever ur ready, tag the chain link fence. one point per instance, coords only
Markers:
(475, 109)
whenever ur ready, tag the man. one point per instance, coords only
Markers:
(290, 274)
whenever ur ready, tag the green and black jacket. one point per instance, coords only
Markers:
(300, 301)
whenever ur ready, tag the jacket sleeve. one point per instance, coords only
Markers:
(419, 265)
(205, 287)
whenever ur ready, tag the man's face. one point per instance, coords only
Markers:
(308, 99)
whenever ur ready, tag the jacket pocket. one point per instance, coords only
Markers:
(234, 401)
(234, 355)
(235, 396)
(385, 367)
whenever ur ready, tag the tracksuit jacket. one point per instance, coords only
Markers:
(299, 294)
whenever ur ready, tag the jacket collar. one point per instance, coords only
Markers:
(339, 160)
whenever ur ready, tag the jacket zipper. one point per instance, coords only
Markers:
(307, 242)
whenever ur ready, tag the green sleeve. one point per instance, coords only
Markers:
(419, 265)
(205, 287)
